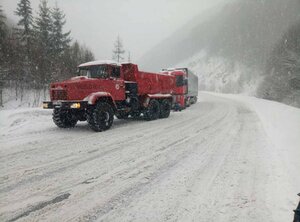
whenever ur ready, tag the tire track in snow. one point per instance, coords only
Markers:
(160, 146)
(113, 147)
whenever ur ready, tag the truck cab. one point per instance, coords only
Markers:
(101, 77)
(186, 89)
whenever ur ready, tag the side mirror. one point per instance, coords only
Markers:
(77, 72)
(297, 212)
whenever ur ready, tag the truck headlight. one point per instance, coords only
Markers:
(45, 105)
(75, 106)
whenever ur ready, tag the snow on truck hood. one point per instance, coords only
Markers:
(100, 62)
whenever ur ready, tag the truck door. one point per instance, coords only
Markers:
(118, 84)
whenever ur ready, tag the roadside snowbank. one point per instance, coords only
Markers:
(281, 122)
(23, 121)
(30, 98)
(282, 125)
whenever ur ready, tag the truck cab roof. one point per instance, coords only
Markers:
(100, 62)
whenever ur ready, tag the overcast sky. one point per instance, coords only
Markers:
(141, 24)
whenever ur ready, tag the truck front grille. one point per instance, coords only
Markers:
(59, 95)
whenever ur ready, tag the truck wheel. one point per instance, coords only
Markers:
(165, 108)
(100, 117)
(64, 118)
(153, 110)
(122, 115)
(135, 114)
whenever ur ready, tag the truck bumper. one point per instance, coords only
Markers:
(65, 105)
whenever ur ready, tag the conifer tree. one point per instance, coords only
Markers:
(24, 35)
(76, 55)
(60, 39)
(24, 11)
(3, 32)
(61, 42)
(44, 45)
(118, 51)
(2, 40)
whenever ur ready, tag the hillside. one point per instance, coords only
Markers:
(230, 48)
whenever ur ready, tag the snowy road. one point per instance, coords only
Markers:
(212, 162)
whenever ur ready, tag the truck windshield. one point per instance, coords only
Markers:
(179, 81)
(94, 71)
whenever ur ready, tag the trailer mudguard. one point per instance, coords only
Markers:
(156, 96)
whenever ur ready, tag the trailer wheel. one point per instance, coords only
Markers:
(100, 117)
(165, 108)
(64, 118)
(187, 103)
(153, 110)
(192, 100)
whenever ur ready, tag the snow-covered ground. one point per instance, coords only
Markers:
(31, 98)
(226, 158)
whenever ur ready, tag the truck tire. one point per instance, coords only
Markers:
(135, 114)
(64, 118)
(122, 115)
(153, 110)
(165, 108)
(100, 117)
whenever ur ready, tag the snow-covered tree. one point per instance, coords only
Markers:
(60, 40)
(3, 28)
(74, 56)
(118, 52)
(24, 35)
(44, 45)
(24, 11)
(2, 39)
(282, 81)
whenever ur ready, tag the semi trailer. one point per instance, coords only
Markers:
(104, 89)
(186, 87)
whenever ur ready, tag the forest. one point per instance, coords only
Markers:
(37, 50)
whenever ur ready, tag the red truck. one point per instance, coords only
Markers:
(186, 90)
(104, 89)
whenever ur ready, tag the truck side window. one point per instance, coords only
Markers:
(102, 72)
(115, 72)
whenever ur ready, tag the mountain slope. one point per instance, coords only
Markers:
(239, 34)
